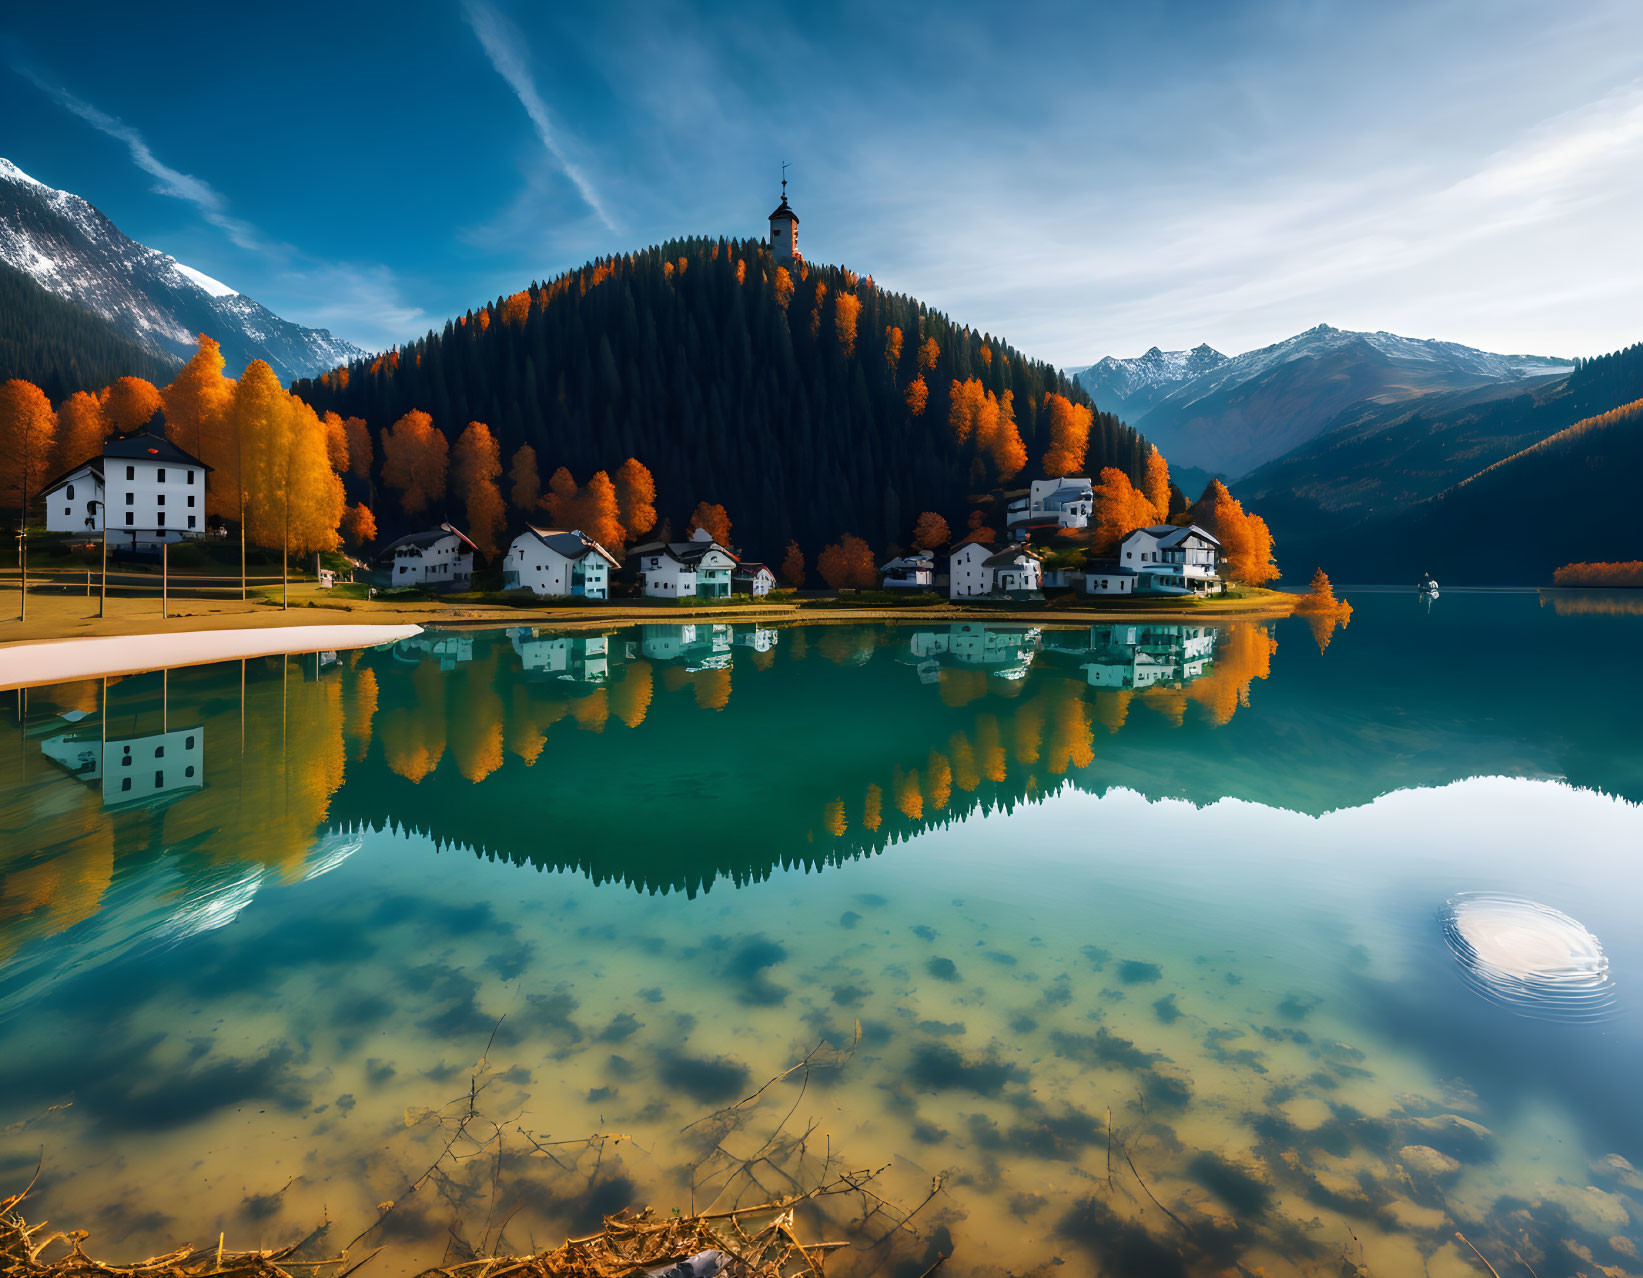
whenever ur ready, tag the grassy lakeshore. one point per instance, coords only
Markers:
(73, 616)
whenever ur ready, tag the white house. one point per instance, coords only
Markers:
(966, 575)
(134, 769)
(147, 488)
(576, 658)
(909, 572)
(1006, 650)
(749, 578)
(1054, 503)
(1171, 560)
(699, 568)
(1107, 577)
(550, 562)
(1015, 571)
(439, 559)
(703, 647)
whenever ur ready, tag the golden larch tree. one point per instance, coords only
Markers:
(361, 453)
(1120, 508)
(846, 310)
(28, 431)
(336, 442)
(599, 515)
(929, 352)
(560, 499)
(848, 562)
(714, 518)
(414, 460)
(892, 346)
(130, 404)
(1069, 436)
(1246, 542)
(1155, 483)
(81, 431)
(917, 396)
(199, 411)
(516, 309)
(476, 465)
(793, 566)
(359, 526)
(631, 697)
(294, 501)
(783, 287)
(635, 498)
(524, 480)
(930, 531)
(872, 807)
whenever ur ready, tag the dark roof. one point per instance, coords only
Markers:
(783, 210)
(417, 540)
(146, 447)
(1173, 534)
(686, 552)
(91, 465)
(747, 568)
(574, 544)
(1008, 555)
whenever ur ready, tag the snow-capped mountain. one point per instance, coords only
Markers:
(1230, 415)
(72, 250)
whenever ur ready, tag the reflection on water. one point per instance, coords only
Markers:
(1126, 917)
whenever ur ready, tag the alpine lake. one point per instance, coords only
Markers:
(1134, 949)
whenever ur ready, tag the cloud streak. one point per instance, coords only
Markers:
(502, 41)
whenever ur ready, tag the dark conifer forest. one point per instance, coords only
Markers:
(63, 348)
(790, 396)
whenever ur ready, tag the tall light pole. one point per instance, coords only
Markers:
(102, 589)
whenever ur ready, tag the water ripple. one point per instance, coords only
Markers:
(1529, 958)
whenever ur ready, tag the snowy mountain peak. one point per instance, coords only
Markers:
(72, 250)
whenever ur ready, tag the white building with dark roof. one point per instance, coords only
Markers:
(146, 488)
(1170, 560)
(551, 562)
(696, 569)
(916, 571)
(438, 559)
(1053, 503)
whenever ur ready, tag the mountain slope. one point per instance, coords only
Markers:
(1233, 415)
(73, 251)
(63, 349)
(1130, 387)
(1375, 461)
(734, 382)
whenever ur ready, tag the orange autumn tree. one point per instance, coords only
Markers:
(892, 346)
(712, 517)
(974, 412)
(784, 287)
(598, 514)
(635, 498)
(1120, 508)
(414, 460)
(1003, 440)
(846, 309)
(294, 501)
(81, 430)
(476, 464)
(793, 566)
(930, 531)
(360, 452)
(848, 562)
(928, 353)
(199, 408)
(336, 442)
(130, 404)
(516, 309)
(28, 430)
(525, 482)
(359, 526)
(1069, 436)
(1246, 543)
(1155, 483)
(918, 396)
(560, 499)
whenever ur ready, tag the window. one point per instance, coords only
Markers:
(160, 500)
(159, 780)
(67, 510)
(160, 520)
(191, 480)
(161, 475)
(131, 499)
(125, 783)
(159, 752)
(189, 770)
(71, 492)
(130, 519)
(188, 743)
(125, 759)
(191, 521)
(191, 501)
(131, 472)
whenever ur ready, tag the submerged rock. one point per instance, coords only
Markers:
(1423, 1160)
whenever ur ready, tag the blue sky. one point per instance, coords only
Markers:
(1083, 179)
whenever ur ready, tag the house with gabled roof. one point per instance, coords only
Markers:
(552, 562)
(916, 571)
(1166, 559)
(437, 559)
(1065, 502)
(696, 569)
(146, 488)
(977, 569)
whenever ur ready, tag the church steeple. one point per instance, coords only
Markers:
(784, 226)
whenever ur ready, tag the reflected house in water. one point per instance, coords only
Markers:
(448, 650)
(160, 765)
(1140, 656)
(700, 647)
(1003, 651)
(758, 638)
(578, 658)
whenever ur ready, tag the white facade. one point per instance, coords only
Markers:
(1170, 559)
(696, 569)
(1110, 581)
(1015, 570)
(784, 230)
(551, 563)
(440, 559)
(577, 658)
(1066, 503)
(967, 576)
(909, 572)
(74, 504)
(753, 579)
(134, 769)
(664, 576)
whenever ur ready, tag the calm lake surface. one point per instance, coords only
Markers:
(1158, 950)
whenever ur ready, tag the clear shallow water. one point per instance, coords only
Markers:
(1215, 905)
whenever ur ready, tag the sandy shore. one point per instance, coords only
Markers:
(59, 660)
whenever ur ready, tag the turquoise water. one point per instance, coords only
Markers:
(1152, 949)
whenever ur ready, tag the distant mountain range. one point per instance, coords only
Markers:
(1230, 414)
(72, 251)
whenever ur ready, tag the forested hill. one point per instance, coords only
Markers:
(806, 401)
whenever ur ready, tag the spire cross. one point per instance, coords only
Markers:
(784, 180)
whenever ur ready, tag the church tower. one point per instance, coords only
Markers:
(784, 228)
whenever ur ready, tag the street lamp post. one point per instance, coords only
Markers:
(102, 589)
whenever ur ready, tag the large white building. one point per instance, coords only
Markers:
(1053, 503)
(551, 562)
(146, 488)
(696, 569)
(439, 559)
(976, 570)
(1172, 560)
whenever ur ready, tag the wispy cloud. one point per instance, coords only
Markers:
(502, 41)
(168, 181)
